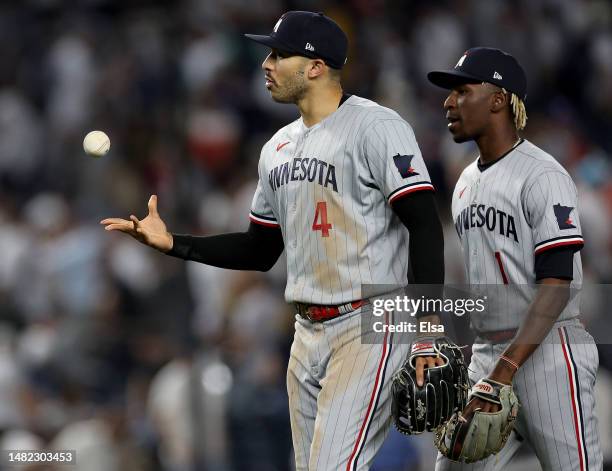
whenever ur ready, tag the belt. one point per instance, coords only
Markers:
(316, 313)
(498, 336)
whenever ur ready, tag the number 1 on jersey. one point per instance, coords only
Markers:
(320, 219)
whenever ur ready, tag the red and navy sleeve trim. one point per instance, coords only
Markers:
(263, 220)
(564, 241)
(410, 188)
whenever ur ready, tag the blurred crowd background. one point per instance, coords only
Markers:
(144, 362)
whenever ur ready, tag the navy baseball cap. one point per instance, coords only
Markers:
(484, 64)
(307, 34)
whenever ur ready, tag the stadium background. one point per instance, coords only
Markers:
(144, 362)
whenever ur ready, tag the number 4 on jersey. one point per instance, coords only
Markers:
(320, 219)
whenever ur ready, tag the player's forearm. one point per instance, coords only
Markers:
(257, 249)
(551, 298)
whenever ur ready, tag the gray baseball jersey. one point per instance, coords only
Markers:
(328, 187)
(505, 214)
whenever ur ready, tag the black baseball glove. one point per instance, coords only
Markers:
(416, 408)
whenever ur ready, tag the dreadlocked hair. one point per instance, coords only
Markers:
(518, 111)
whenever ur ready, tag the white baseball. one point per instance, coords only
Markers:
(96, 143)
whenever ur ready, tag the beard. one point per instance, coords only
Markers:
(292, 91)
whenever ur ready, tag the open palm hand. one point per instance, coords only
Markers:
(151, 230)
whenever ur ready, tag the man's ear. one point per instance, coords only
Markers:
(500, 101)
(316, 68)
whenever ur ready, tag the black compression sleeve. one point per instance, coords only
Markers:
(419, 214)
(257, 249)
(555, 263)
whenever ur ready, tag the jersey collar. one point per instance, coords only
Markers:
(343, 99)
(483, 167)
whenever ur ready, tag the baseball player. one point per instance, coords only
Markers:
(337, 190)
(516, 212)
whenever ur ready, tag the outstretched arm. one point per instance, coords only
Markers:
(256, 249)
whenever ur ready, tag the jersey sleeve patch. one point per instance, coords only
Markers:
(263, 220)
(403, 163)
(563, 215)
(564, 241)
(410, 188)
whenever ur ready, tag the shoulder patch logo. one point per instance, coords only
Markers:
(403, 164)
(562, 213)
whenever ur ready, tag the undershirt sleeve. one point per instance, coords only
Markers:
(418, 212)
(256, 249)
(555, 263)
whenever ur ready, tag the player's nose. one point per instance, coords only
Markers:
(267, 63)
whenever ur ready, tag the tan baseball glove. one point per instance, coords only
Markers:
(474, 438)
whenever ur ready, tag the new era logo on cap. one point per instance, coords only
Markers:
(497, 76)
(309, 47)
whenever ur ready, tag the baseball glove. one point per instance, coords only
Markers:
(416, 409)
(483, 434)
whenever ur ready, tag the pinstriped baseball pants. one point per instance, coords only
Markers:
(339, 393)
(556, 389)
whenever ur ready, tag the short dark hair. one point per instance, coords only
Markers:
(335, 74)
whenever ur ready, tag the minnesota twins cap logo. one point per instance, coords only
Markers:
(403, 164)
(562, 213)
(460, 62)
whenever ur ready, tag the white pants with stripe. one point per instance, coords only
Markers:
(339, 393)
(556, 389)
